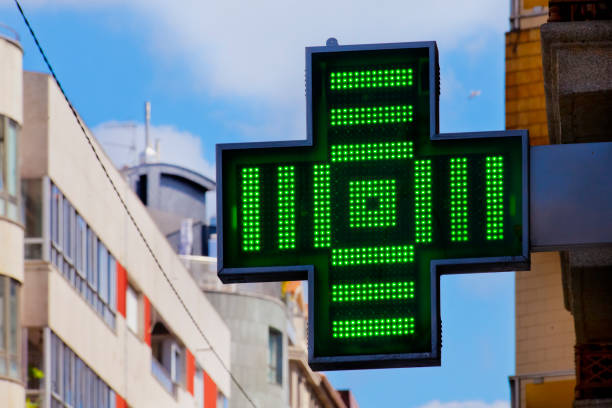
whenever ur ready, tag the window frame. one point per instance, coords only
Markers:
(80, 256)
(11, 353)
(275, 356)
(137, 308)
(9, 202)
(31, 203)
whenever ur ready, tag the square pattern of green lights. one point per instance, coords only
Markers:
(372, 202)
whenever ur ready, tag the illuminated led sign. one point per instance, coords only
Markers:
(373, 206)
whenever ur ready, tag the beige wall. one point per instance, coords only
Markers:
(35, 294)
(544, 328)
(13, 394)
(33, 148)
(11, 105)
(72, 166)
(11, 249)
(11, 73)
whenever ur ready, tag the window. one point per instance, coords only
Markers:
(221, 400)
(81, 258)
(81, 245)
(131, 309)
(31, 214)
(35, 378)
(275, 356)
(9, 169)
(66, 222)
(112, 283)
(168, 362)
(73, 383)
(198, 387)
(102, 272)
(10, 338)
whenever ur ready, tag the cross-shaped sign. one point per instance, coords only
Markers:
(373, 206)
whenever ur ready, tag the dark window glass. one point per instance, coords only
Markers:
(11, 158)
(56, 363)
(67, 244)
(91, 245)
(141, 188)
(81, 245)
(55, 205)
(275, 356)
(31, 190)
(13, 335)
(10, 333)
(102, 272)
(112, 283)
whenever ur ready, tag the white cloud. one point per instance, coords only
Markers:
(123, 143)
(466, 404)
(251, 53)
(255, 49)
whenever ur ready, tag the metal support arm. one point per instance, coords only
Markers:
(570, 196)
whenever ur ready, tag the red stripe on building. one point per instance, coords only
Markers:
(147, 320)
(120, 402)
(210, 392)
(121, 288)
(190, 368)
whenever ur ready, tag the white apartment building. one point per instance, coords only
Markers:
(87, 318)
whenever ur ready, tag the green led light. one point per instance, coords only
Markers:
(371, 151)
(458, 199)
(286, 207)
(371, 115)
(395, 326)
(250, 209)
(495, 197)
(322, 206)
(367, 292)
(372, 255)
(388, 78)
(423, 201)
(372, 203)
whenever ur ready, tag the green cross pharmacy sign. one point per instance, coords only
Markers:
(373, 206)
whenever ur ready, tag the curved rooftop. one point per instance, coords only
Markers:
(172, 170)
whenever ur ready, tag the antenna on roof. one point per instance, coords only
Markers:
(150, 154)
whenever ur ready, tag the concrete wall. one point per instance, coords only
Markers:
(72, 165)
(11, 82)
(11, 233)
(249, 317)
(12, 393)
(544, 328)
(11, 249)
(34, 146)
(11, 105)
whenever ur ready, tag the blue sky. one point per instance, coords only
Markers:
(234, 71)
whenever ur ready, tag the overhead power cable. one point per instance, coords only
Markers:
(127, 210)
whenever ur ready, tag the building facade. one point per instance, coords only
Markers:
(267, 321)
(545, 338)
(559, 87)
(176, 199)
(11, 226)
(87, 318)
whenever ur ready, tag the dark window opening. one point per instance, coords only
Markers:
(141, 188)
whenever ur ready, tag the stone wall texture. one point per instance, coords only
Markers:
(525, 98)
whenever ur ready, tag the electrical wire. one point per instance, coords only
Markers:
(127, 210)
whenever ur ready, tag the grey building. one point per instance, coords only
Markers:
(176, 199)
